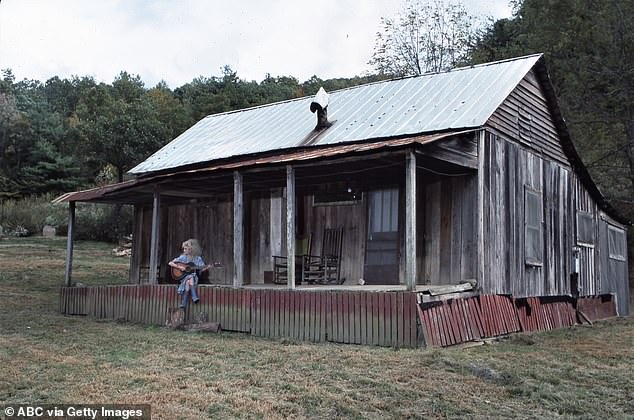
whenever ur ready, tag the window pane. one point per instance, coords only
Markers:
(394, 212)
(375, 210)
(616, 243)
(533, 233)
(585, 228)
(384, 211)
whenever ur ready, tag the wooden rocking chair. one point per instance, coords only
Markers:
(280, 263)
(325, 268)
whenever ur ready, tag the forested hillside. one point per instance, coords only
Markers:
(589, 51)
(67, 134)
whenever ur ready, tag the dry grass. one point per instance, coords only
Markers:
(581, 372)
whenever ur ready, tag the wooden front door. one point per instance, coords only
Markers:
(381, 259)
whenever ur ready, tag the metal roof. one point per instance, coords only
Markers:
(457, 99)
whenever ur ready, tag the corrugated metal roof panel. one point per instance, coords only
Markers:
(461, 98)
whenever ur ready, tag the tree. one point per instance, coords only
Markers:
(589, 48)
(428, 36)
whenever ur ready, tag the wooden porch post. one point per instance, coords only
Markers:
(154, 242)
(410, 221)
(290, 225)
(482, 153)
(69, 243)
(238, 230)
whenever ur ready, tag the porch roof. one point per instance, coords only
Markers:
(453, 100)
(172, 185)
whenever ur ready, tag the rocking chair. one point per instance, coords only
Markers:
(325, 268)
(280, 263)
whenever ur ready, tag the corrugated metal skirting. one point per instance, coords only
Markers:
(356, 317)
(455, 321)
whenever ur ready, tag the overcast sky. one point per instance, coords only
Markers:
(178, 40)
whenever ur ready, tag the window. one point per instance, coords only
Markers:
(616, 243)
(533, 222)
(585, 229)
(383, 211)
(336, 195)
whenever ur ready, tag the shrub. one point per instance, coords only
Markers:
(99, 222)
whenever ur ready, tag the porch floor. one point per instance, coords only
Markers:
(420, 288)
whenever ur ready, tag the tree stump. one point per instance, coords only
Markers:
(175, 318)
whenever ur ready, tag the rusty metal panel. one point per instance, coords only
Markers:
(454, 321)
(456, 99)
(379, 318)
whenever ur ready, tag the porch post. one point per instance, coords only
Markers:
(410, 221)
(69, 243)
(238, 230)
(290, 225)
(482, 155)
(154, 241)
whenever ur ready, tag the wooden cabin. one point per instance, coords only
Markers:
(453, 185)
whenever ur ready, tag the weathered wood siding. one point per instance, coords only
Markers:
(613, 275)
(449, 230)
(525, 117)
(210, 222)
(353, 218)
(508, 171)
(589, 278)
(258, 256)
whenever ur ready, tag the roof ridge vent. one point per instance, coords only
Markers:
(320, 105)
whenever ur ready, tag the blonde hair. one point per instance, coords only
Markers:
(196, 249)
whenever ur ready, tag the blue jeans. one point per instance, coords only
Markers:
(183, 290)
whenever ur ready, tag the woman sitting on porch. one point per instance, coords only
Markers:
(190, 263)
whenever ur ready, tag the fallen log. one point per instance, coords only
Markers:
(175, 318)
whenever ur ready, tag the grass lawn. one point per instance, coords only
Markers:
(48, 358)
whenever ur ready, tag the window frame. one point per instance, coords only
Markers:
(612, 255)
(538, 228)
(582, 241)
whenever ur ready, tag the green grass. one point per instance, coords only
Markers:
(46, 357)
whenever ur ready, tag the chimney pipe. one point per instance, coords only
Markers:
(320, 105)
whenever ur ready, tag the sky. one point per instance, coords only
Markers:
(178, 40)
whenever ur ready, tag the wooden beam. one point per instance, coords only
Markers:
(69, 244)
(290, 225)
(154, 241)
(482, 155)
(134, 276)
(238, 230)
(410, 221)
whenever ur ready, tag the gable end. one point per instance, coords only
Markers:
(525, 117)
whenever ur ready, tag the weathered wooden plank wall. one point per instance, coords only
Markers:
(210, 222)
(259, 256)
(525, 117)
(612, 269)
(589, 274)
(353, 218)
(449, 245)
(510, 171)
(356, 317)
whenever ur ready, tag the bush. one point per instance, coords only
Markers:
(101, 222)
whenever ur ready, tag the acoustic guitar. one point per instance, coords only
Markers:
(184, 269)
